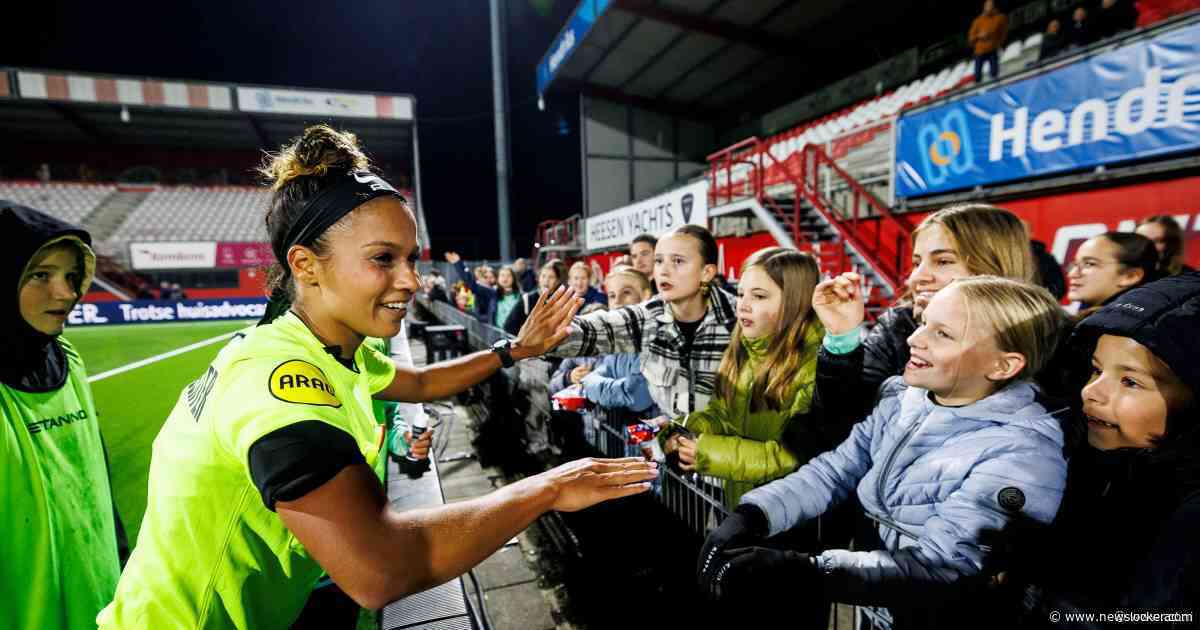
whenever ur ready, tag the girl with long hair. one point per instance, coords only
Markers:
(956, 242)
(764, 382)
(1107, 265)
(1167, 237)
(552, 275)
(958, 449)
(508, 295)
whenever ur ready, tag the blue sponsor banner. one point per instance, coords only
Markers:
(157, 311)
(1139, 101)
(582, 21)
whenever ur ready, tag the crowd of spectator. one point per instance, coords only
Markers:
(1084, 24)
(976, 433)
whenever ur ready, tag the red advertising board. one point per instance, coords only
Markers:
(1064, 221)
(235, 255)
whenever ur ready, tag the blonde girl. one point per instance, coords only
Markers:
(956, 242)
(579, 278)
(957, 449)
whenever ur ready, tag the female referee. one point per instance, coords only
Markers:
(261, 476)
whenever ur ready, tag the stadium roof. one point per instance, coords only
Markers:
(731, 59)
(700, 56)
(70, 107)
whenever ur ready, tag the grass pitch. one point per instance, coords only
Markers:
(131, 406)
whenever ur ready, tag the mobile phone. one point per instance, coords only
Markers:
(677, 428)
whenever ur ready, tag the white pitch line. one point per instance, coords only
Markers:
(159, 357)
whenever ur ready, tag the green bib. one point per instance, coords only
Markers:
(210, 554)
(58, 549)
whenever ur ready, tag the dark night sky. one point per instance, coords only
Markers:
(437, 50)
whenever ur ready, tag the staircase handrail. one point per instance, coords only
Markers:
(885, 213)
(810, 190)
(750, 151)
(727, 155)
(569, 226)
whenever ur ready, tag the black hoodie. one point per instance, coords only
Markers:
(33, 361)
(1125, 535)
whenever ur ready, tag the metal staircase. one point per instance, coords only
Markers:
(558, 239)
(808, 202)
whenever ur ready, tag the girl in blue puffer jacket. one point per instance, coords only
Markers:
(956, 450)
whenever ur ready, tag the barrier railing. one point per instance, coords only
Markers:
(481, 335)
(696, 500)
(858, 217)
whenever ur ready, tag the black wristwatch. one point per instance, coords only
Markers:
(503, 349)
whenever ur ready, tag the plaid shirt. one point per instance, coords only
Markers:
(681, 380)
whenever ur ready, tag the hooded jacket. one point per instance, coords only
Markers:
(59, 540)
(937, 480)
(1125, 536)
(616, 382)
(34, 362)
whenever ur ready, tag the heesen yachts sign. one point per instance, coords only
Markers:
(1142, 100)
(655, 215)
(183, 255)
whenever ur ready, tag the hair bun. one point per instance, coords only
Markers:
(313, 154)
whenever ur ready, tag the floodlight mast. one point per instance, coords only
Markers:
(499, 29)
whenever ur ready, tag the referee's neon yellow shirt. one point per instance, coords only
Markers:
(209, 553)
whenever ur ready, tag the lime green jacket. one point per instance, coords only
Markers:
(743, 446)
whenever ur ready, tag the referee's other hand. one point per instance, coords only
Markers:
(586, 482)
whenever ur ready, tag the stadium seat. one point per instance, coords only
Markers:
(1011, 52)
(226, 213)
(71, 202)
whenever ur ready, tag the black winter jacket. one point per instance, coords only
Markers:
(1125, 535)
(848, 384)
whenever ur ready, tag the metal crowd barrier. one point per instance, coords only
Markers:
(481, 335)
(697, 500)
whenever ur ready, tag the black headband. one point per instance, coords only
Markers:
(349, 191)
(329, 206)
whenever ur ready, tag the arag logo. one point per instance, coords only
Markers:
(945, 148)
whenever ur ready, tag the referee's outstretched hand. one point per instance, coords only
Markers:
(548, 324)
(586, 482)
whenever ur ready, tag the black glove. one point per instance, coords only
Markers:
(744, 526)
(761, 572)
